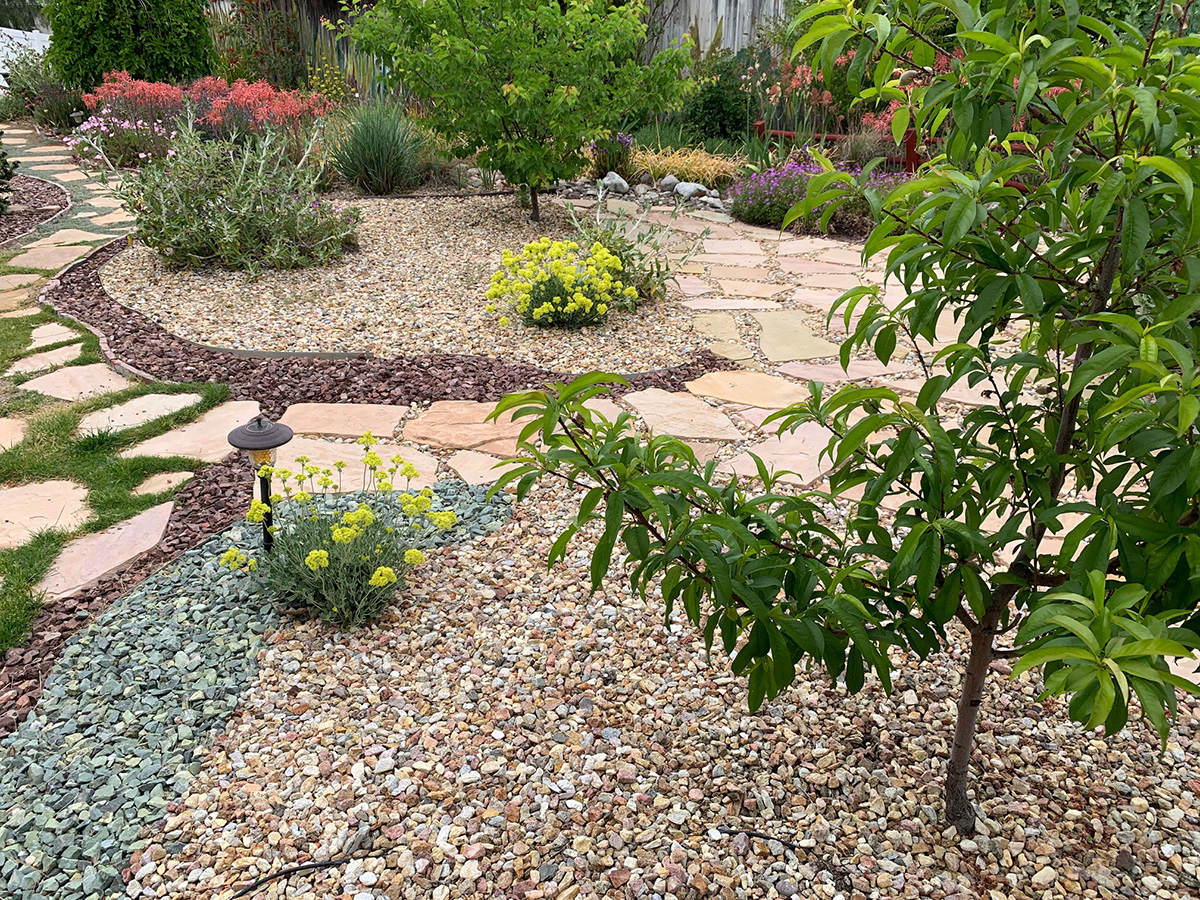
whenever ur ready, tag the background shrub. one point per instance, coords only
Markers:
(245, 205)
(8, 169)
(610, 153)
(717, 105)
(159, 40)
(383, 151)
(27, 73)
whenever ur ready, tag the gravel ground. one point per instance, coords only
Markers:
(277, 383)
(500, 733)
(415, 286)
(35, 200)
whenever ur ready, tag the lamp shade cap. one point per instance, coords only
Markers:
(260, 433)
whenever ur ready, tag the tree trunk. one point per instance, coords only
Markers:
(960, 812)
(534, 214)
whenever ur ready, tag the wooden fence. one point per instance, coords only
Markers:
(740, 18)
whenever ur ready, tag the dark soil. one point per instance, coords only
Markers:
(278, 382)
(207, 505)
(31, 203)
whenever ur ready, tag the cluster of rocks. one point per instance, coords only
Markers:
(668, 189)
(475, 178)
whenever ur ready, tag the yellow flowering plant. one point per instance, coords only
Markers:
(343, 564)
(555, 283)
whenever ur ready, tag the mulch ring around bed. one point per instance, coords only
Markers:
(32, 201)
(277, 382)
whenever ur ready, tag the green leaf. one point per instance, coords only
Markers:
(1047, 654)
(1108, 360)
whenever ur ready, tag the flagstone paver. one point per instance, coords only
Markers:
(70, 236)
(713, 303)
(12, 432)
(816, 298)
(751, 388)
(17, 279)
(70, 176)
(21, 313)
(51, 333)
(462, 425)
(719, 326)
(137, 411)
(47, 359)
(842, 254)
(799, 265)
(29, 508)
(206, 439)
(49, 257)
(786, 336)
(742, 273)
(833, 373)
(733, 351)
(797, 453)
(324, 455)
(730, 259)
(475, 468)
(760, 289)
(163, 481)
(344, 419)
(13, 299)
(727, 245)
(682, 415)
(113, 218)
(78, 382)
(691, 286)
(87, 559)
(800, 246)
(107, 202)
(831, 280)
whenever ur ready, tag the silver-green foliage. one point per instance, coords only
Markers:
(383, 150)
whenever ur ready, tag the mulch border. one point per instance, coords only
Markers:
(33, 214)
(214, 499)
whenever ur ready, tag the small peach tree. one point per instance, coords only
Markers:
(1057, 223)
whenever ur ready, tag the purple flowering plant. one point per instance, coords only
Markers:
(611, 153)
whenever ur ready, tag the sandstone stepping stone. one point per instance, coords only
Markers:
(78, 382)
(616, 205)
(712, 216)
(817, 299)
(729, 259)
(729, 303)
(70, 176)
(798, 265)
(721, 326)
(206, 439)
(959, 392)
(785, 337)
(113, 218)
(846, 255)
(752, 388)
(21, 313)
(604, 407)
(461, 425)
(704, 450)
(762, 234)
(325, 453)
(797, 453)
(682, 415)
(760, 289)
(689, 268)
(70, 236)
(61, 166)
(49, 257)
(31, 508)
(732, 351)
(691, 286)
(18, 279)
(687, 225)
(12, 432)
(85, 560)
(106, 202)
(13, 299)
(831, 280)
(163, 481)
(740, 272)
(803, 245)
(344, 419)
(739, 246)
(833, 373)
(137, 411)
(475, 468)
(51, 333)
(47, 359)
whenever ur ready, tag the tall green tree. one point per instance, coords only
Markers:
(157, 40)
(524, 84)
(1057, 223)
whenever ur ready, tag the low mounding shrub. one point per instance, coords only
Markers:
(765, 197)
(383, 150)
(549, 283)
(244, 205)
(27, 75)
(343, 566)
(717, 105)
(8, 169)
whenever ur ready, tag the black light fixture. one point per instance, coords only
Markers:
(260, 438)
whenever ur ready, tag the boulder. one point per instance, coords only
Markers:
(615, 184)
(689, 189)
(668, 183)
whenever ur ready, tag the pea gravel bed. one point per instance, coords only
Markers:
(275, 383)
(416, 285)
(500, 733)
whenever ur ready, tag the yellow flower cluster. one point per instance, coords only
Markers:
(552, 283)
(317, 559)
(442, 519)
(258, 511)
(383, 576)
(326, 77)
(415, 504)
(233, 558)
(414, 557)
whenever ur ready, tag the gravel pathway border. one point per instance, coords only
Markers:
(34, 193)
(135, 341)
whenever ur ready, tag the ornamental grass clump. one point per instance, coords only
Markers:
(550, 283)
(342, 566)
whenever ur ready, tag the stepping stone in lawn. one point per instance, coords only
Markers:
(833, 373)
(31, 508)
(13, 299)
(740, 246)
(47, 359)
(682, 415)
(206, 439)
(87, 559)
(476, 468)
(21, 313)
(70, 236)
(12, 432)
(18, 279)
(78, 382)
(719, 326)
(461, 425)
(70, 176)
(752, 388)
(344, 419)
(691, 286)
(705, 303)
(797, 453)
(49, 257)
(106, 202)
(324, 454)
(163, 481)
(60, 165)
(137, 411)
(785, 337)
(113, 218)
(51, 333)
(759, 289)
